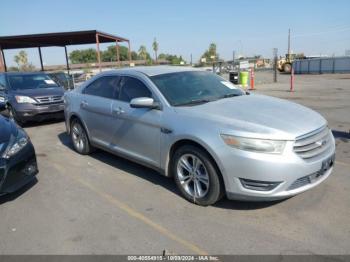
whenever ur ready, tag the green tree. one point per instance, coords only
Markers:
(155, 46)
(134, 55)
(211, 54)
(143, 52)
(111, 54)
(173, 59)
(144, 55)
(21, 59)
(83, 56)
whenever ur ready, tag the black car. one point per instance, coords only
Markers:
(18, 164)
(31, 96)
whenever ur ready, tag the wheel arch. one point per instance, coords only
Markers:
(186, 141)
(74, 116)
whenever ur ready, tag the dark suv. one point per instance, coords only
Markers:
(30, 96)
(62, 79)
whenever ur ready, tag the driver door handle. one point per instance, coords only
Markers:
(83, 104)
(118, 111)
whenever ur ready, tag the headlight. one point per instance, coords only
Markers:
(16, 144)
(255, 145)
(25, 99)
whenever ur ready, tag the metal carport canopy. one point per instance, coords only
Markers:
(59, 39)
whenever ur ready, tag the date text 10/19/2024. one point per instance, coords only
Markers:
(172, 258)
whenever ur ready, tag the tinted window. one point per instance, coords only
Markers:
(30, 81)
(2, 81)
(132, 88)
(184, 87)
(106, 86)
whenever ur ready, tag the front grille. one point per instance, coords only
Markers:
(303, 181)
(258, 185)
(313, 144)
(49, 99)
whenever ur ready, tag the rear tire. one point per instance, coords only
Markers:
(196, 176)
(80, 138)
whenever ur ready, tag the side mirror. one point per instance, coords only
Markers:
(144, 102)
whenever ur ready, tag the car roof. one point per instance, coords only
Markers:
(23, 73)
(156, 70)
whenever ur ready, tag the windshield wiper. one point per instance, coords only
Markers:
(194, 102)
(229, 95)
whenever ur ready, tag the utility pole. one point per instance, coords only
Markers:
(275, 51)
(289, 42)
(191, 59)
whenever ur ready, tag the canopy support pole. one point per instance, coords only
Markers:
(98, 52)
(67, 62)
(118, 55)
(41, 59)
(2, 60)
(129, 53)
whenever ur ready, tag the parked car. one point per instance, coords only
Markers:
(31, 96)
(62, 79)
(18, 164)
(211, 136)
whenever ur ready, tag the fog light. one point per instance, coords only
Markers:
(258, 185)
(30, 169)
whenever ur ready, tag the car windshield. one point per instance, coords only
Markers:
(31, 81)
(194, 87)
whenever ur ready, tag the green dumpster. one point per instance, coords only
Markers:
(243, 78)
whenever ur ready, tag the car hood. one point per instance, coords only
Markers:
(51, 91)
(259, 116)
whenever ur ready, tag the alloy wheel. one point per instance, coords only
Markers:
(79, 137)
(193, 176)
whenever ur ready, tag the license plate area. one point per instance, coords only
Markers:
(326, 165)
(56, 107)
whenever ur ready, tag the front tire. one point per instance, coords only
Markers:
(196, 176)
(79, 138)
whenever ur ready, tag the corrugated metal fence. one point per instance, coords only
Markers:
(322, 65)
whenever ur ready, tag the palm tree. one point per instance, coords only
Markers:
(21, 58)
(155, 46)
(143, 52)
(212, 51)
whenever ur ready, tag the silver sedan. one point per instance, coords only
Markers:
(208, 134)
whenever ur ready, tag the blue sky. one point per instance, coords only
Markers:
(187, 27)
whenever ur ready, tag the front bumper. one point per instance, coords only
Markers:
(18, 170)
(27, 112)
(291, 173)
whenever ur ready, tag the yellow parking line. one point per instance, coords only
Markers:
(131, 212)
(342, 163)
